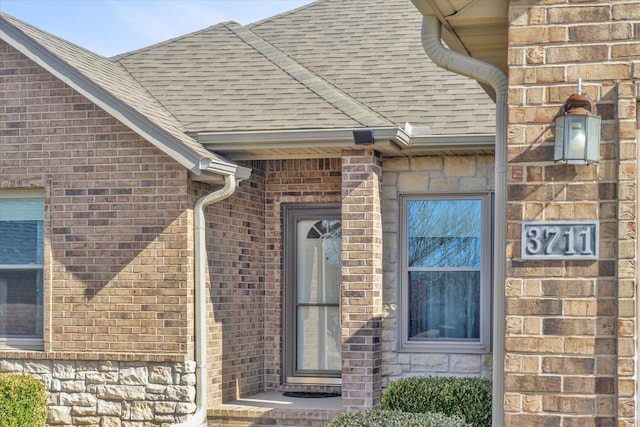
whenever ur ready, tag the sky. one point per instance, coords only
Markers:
(110, 27)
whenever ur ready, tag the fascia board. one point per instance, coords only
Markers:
(221, 169)
(452, 142)
(101, 97)
(283, 139)
(289, 139)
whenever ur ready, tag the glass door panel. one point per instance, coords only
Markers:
(318, 339)
(314, 333)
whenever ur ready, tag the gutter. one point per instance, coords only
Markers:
(497, 79)
(200, 261)
(413, 138)
(295, 138)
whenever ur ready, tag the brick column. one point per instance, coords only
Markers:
(570, 325)
(361, 279)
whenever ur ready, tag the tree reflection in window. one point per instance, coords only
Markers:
(443, 262)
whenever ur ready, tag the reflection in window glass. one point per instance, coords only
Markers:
(319, 261)
(443, 262)
(318, 264)
(444, 304)
(319, 339)
(444, 233)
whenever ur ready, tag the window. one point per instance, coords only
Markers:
(446, 268)
(21, 269)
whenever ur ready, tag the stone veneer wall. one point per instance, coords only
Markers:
(571, 338)
(112, 393)
(424, 175)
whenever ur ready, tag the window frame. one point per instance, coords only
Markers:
(483, 343)
(28, 342)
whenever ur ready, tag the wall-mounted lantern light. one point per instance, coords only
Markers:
(577, 131)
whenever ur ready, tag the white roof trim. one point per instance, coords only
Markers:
(283, 139)
(461, 142)
(332, 138)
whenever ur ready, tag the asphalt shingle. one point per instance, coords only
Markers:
(371, 49)
(226, 78)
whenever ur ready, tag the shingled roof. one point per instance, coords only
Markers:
(330, 65)
(371, 49)
(227, 78)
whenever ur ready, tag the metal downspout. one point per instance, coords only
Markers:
(494, 76)
(200, 261)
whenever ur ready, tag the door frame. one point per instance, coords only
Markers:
(291, 214)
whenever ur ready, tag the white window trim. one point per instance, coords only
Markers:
(483, 344)
(21, 343)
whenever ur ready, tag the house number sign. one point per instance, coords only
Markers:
(560, 240)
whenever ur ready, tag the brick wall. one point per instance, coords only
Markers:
(361, 279)
(236, 312)
(118, 261)
(117, 276)
(423, 175)
(117, 219)
(289, 182)
(571, 325)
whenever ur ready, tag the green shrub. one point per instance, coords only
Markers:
(466, 397)
(23, 401)
(383, 418)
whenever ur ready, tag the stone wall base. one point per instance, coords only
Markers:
(112, 393)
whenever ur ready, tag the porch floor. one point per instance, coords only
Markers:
(274, 409)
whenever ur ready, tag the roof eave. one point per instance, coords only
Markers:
(477, 29)
(284, 138)
(124, 113)
(300, 143)
(393, 141)
(213, 172)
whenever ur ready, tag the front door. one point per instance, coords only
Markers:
(313, 332)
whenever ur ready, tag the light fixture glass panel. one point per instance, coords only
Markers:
(558, 152)
(575, 137)
(593, 143)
